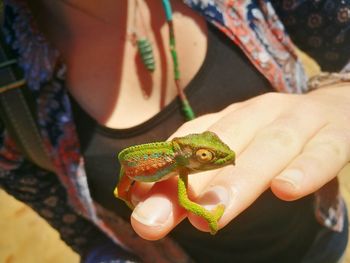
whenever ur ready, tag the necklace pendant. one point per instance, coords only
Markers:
(145, 49)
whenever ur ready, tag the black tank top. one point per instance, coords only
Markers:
(268, 229)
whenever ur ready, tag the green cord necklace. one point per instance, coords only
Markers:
(186, 107)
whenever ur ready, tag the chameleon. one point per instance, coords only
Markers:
(157, 161)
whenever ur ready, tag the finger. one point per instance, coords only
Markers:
(160, 211)
(321, 160)
(265, 156)
(154, 217)
(139, 191)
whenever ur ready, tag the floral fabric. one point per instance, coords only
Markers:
(320, 28)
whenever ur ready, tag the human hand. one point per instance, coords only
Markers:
(291, 143)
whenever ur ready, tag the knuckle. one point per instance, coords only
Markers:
(331, 146)
(188, 125)
(197, 125)
(333, 141)
(233, 107)
(280, 137)
(306, 105)
(271, 96)
(278, 100)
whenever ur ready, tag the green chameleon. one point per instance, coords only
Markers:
(181, 156)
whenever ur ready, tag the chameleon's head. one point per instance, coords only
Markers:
(202, 152)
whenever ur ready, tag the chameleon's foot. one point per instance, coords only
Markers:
(216, 214)
(127, 202)
(116, 192)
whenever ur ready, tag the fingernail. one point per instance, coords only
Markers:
(154, 211)
(291, 176)
(214, 196)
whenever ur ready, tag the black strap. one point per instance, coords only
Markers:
(16, 113)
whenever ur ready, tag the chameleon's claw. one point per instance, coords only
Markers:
(116, 192)
(216, 215)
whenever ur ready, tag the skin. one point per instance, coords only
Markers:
(159, 161)
(293, 147)
(104, 71)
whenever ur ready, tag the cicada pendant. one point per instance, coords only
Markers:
(145, 48)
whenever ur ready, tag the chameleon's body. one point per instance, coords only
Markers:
(158, 161)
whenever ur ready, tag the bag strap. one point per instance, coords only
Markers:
(15, 111)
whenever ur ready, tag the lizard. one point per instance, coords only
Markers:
(157, 161)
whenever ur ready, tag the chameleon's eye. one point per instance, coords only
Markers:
(204, 155)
